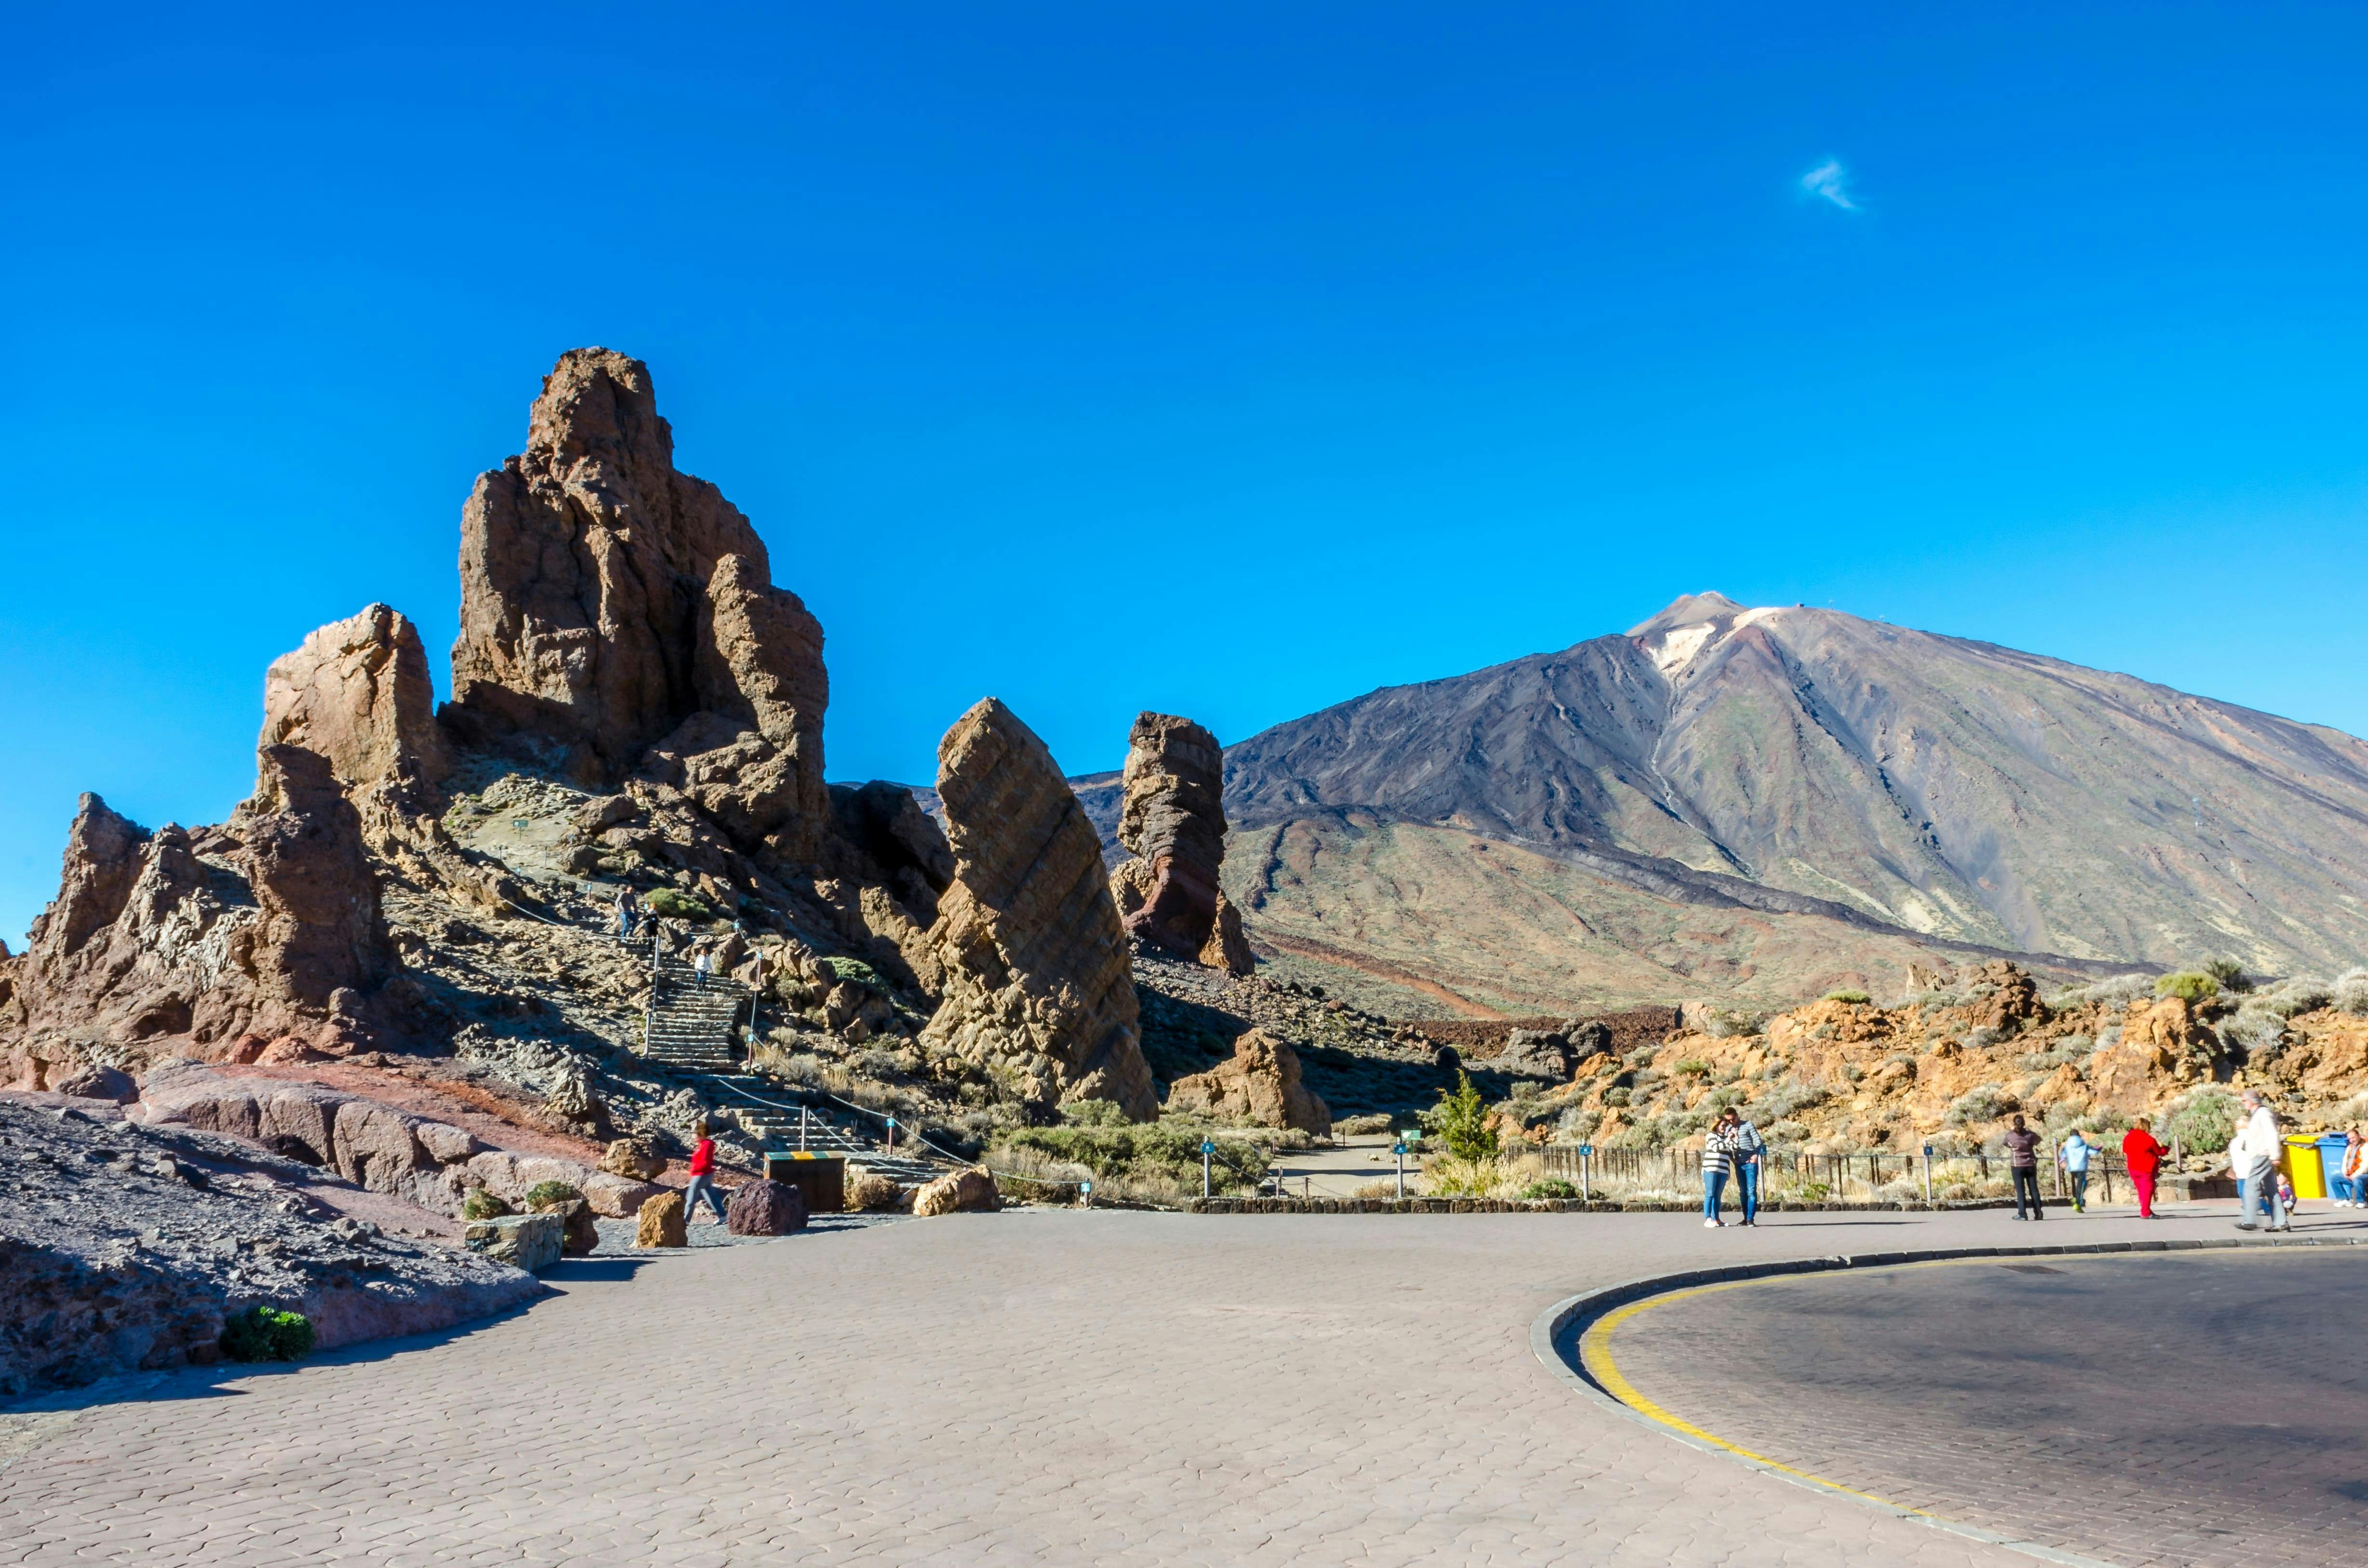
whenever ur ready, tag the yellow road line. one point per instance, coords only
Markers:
(1595, 1355)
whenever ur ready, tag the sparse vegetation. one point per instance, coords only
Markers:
(1460, 1121)
(2204, 1122)
(261, 1334)
(2190, 985)
(672, 903)
(1553, 1186)
(483, 1204)
(1692, 1067)
(1986, 1103)
(545, 1194)
(1851, 996)
(1155, 1162)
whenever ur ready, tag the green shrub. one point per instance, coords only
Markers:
(547, 1194)
(1460, 1121)
(259, 1334)
(856, 970)
(481, 1204)
(2189, 986)
(1092, 1113)
(1692, 1067)
(1988, 1103)
(1845, 996)
(2229, 974)
(1553, 1186)
(672, 903)
(2203, 1123)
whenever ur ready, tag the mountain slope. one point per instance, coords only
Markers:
(1807, 764)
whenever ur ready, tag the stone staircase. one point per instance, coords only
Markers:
(690, 1028)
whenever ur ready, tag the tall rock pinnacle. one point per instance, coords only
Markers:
(611, 605)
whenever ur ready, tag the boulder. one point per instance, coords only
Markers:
(763, 1209)
(96, 1082)
(1037, 977)
(614, 1196)
(579, 1229)
(1172, 819)
(1536, 1054)
(1260, 1086)
(377, 1148)
(531, 1242)
(356, 693)
(868, 1190)
(636, 1159)
(572, 1102)
(1588, 1039)
(970, 1190)
(608, 600)
(660, 1222)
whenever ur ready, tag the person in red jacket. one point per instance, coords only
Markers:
(703, 1177)
(2144, 1156)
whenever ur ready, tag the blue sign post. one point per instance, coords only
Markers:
(1586, 1154)
(1208, 1147)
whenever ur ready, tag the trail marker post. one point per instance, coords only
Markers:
(1398, 1148)
(1586, 1156)
(1928, 1173)
(1085, 1193)
(891, 1135)
(1208, 1147)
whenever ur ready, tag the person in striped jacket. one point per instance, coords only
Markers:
(1718, 1162)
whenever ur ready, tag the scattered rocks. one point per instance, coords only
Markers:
(765, 1209)
(123, 1247)
(636, 1159)
(1037, 982)
(1534, 1053)
(660, 1222)
(1260, 1086)
(579, 1227)
(969, 1191)
(93, 1082)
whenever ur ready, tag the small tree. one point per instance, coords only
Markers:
(1461, 1120)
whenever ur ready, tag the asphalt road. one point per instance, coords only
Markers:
(2192, 1408)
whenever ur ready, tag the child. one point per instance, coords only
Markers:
(2285, 1194)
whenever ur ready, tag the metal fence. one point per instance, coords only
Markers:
(1843, 1175)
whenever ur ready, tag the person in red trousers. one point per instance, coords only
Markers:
(2144, 1155)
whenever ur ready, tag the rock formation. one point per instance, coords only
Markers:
(612, 607)
(1037, 985)
(1173, 822)
(1260, 1086)
(765, 1209)
(971, 1190)
(356, 693)
(264, 926)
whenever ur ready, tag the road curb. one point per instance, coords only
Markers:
(1569, 1318)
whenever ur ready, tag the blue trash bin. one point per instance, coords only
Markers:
(2333, 1147)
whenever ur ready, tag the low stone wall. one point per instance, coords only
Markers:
(1559, 1206)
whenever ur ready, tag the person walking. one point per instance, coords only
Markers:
(2023, 1164)
(703, 1176)
(2253, 1160)
(1718, 1159)
(1745, 1147)
(702, 965)
(629, 913)
(2143, 1154)
(2072, 1155)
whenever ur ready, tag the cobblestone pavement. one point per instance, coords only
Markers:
(1040, 1387)
(2205, 1408)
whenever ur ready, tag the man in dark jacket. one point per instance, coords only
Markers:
(2023, 1159)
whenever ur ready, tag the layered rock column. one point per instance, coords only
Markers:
(1173, 819)
(1037, 983)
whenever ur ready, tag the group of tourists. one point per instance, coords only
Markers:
(1733, 1151)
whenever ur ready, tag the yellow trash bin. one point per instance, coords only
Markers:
(2302, 1168)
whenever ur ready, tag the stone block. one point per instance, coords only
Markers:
(531, 1242)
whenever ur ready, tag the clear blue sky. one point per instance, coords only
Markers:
(1224, 359)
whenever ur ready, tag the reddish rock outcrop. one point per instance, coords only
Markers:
(765, 1209)
(265, 926)
(1260, 1087)
(356, 693)
(1173, 819)
(611, 607)
(1037, 983)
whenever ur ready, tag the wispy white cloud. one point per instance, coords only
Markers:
(1827, 181)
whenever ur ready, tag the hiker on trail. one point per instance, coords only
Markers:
(2022, 1163)
(2355, 1169)
(2073, 1155)
(1718, 1159)
(703, 1176)
(629, 913)
(2143, 1154)
(2253, 1160)
(1746, 1148)
(701, 966)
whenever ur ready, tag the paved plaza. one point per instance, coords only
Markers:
(1032, 1387)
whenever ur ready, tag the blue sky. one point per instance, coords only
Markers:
(1224, 359)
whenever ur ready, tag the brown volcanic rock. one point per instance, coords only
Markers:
(611, 605)
(1036, 977)
(357, 692)
(1172, 819)
(1260, 1085)
(267, 926)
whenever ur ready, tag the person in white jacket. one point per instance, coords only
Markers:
(2253, 1160)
